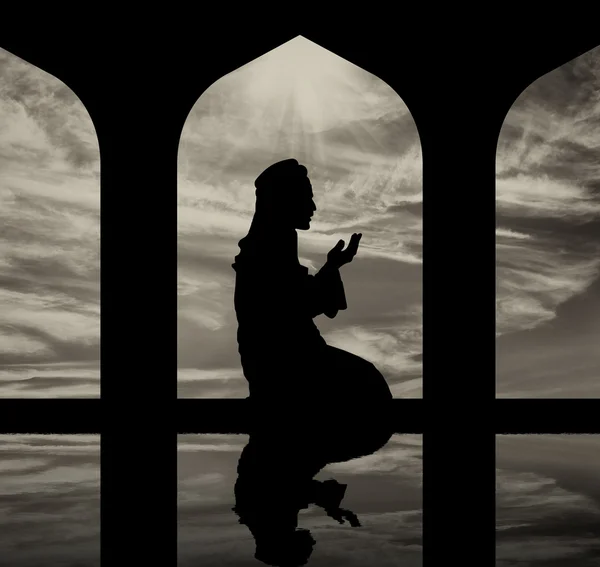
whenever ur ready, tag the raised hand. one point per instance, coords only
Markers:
(341, 515)
(337, 256)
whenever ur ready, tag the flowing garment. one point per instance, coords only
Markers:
(282, 352)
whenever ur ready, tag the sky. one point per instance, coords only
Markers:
(362, 151)
(49, 237)
(384, 490)
(360, 145)
(548, 237)
(548, 500)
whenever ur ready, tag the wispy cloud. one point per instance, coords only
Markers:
(547, 191)
(395, 351)
(49, 212)
(402, 456)
(535, 279)
(547, 501)
(50, 380)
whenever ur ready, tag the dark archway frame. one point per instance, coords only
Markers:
(458, 83)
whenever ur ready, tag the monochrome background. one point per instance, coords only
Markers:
(360, 145)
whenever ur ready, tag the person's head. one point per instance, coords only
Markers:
(294, 550)
(284, 195)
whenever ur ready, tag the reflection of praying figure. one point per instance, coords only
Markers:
(282, 352)
(275, 481)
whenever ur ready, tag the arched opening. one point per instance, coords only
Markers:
(548, 329)
(360, 145)
(548, 237)
(50, 252)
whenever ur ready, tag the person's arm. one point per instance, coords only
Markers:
(326, 290)
(326, 294)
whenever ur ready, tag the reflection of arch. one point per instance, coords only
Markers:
(50, 207)
(548, 240)
(361, 147)
(477, 110)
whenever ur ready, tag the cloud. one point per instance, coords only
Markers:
(534, 279)
(503, 233)
(76, 380)
(211, 383)
(401, 456)
(538, 521)
(41, 113)
(49, 211)
(204, 297)
(525, 498)
(547, 197)
(199, 447)
(51, 445)
(201, 490)
(394, 351)
(221, 374)
(58, 316)
(540, 550)
(50, 480)
(20, 465)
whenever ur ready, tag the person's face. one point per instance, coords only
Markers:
(304, 207)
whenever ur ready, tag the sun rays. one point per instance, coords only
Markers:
(303, 101)
(302, 76)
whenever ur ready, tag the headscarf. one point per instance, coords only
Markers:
(270, 238)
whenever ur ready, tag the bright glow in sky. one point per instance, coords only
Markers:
(302, 77)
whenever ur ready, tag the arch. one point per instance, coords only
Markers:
(50, 213)
(548, 235)
(352, 131)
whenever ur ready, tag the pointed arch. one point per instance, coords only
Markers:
(361, 146)
(548, 236)
(50, 214)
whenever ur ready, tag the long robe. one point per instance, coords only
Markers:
(282, 352)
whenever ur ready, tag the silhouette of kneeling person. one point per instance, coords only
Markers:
(283, 355)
